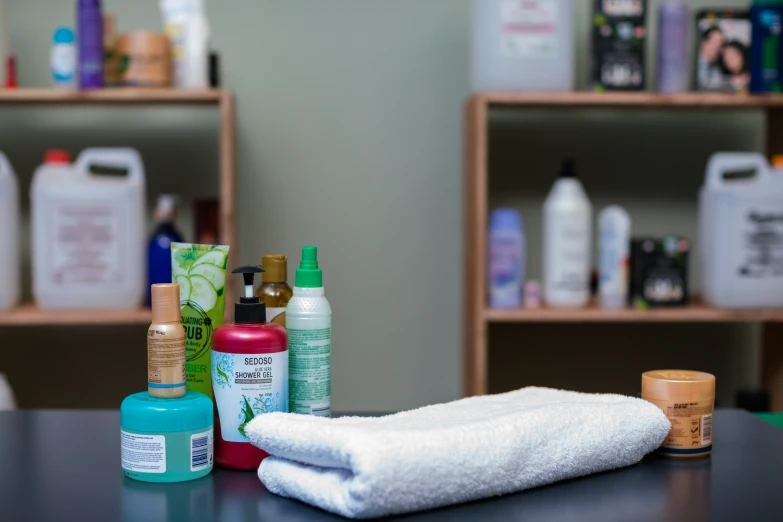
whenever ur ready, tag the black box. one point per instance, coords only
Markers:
(619, 33)
(659, 271)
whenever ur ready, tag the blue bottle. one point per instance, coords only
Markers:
(766, 50)
(506, 267)
(159, 248)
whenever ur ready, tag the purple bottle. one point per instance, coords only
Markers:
(673, 72)
(506, 262)
(90, 41)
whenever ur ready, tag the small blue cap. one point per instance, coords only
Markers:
(505, 218)
(145, 413)
(64, 35)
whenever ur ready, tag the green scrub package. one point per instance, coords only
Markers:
(200, 272)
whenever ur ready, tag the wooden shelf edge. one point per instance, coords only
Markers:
(113, 95)
(696, 313)
(576, 99)
(31, 315)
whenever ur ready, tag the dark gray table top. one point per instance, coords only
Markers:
(65, 465)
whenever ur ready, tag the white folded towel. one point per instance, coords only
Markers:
(450, 453)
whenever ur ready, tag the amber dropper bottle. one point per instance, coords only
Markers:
(274, 290)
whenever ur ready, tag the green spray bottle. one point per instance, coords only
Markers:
(309, 325)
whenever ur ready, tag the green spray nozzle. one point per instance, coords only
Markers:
(308, 275)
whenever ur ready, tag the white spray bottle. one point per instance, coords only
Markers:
(309, 325)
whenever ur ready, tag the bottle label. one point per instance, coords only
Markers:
(64, 62)
(570, 267)
(165, 357)
(505, 272)
(691, 433)
(310, 375)
(528, 28)
(143, 453)
(201, 450)
(760, 257)
(613, 262)
(276, 315)
(87, 246)
(248, 385)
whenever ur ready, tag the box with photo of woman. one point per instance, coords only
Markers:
(723, 50)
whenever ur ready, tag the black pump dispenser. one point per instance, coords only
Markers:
(249, 309)
(567, 170)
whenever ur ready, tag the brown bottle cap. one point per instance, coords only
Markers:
(165, 303)
(276, 267)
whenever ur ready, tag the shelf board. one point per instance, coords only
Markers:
(641, 100)
(694, 313)
(112, 96)
(30, 315)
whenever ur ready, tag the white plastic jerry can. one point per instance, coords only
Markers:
(741, 232)
(7, 400)
(88, 230)
(523, 45)
(9, 235)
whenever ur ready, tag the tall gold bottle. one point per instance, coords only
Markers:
(274, 290)
(166, 344)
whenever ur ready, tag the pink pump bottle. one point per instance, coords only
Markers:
(249, 376)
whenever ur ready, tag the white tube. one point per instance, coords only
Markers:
(614, 236)
(185, 23)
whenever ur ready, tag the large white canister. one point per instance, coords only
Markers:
(523, 45)
(741, 232)
(9, 235)
(88, 230)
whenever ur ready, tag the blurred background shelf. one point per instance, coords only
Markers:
(31, 315)
(694, 313)
(113, 96)
(631, 155)
(187, 140)
(225, 170)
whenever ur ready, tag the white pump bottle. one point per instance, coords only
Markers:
(566, 242)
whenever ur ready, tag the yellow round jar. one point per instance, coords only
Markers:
(688, 400)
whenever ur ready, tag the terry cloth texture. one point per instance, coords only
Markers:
(362, 467)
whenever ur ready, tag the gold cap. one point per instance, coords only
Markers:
(109, 29)
(276, 268)
(165, 303)
(678, 385)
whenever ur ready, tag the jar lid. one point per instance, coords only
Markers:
(145, 413)
(678, 385)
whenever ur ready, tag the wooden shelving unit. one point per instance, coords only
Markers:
(477, 316)
(222, 100)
